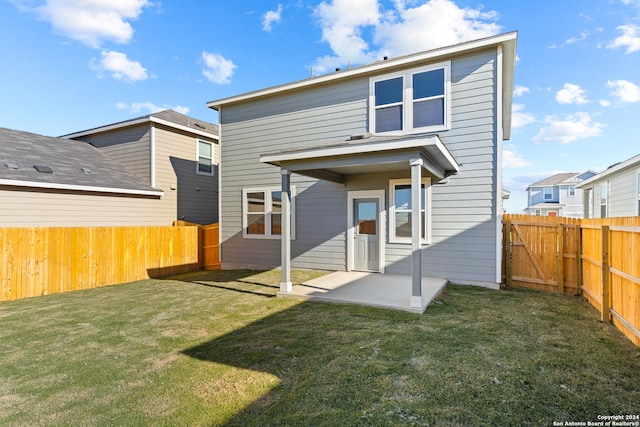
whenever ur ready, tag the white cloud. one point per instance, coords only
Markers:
(401, 30)
(519, 118)
(136, 107)
(630, 39)
(90, 22)
(512, 159)
(217, 69)
(605, 103)
(271, 17)
(120, 67)
(624, 90)
(520, 90)
(583, 36)
(571, 94)
(573, 127)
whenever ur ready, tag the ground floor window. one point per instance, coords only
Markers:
(400, 210)
(262, 213)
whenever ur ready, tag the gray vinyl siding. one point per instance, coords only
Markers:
(622, 191)
(194, 197)
(464, 211)
(50, 208)
(129, 146)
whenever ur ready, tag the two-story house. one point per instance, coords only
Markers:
(557, 195)
(391, 167)
(613, 192)
(171, 152)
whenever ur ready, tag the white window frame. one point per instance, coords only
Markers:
(198, 156)
(407, 99)
(268, 212)
(544, 193)
(604, 185)
(392, 211)
(572, 191)
(638, 190)
(538, 212)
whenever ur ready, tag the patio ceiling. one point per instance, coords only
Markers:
(367, 154)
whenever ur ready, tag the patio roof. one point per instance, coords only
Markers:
(367, 154)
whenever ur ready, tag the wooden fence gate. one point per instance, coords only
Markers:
(541, 253)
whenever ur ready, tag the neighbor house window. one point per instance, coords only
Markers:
(603, 200)
(262, 213)
(400, 208)
(547, 193)
(538, 212)
(414, 100)
(572, 190)
(205, 158)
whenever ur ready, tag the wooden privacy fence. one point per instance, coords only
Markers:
(208, 244)
(599, 258)
(41, 261)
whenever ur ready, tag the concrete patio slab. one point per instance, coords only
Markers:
(369, 289)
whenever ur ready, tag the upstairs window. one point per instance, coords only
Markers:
(411, 101)
(205, 158)
(603, 200)
(572, 190)
(547, 193)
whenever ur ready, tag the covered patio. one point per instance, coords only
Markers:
(418, 155)
(368, 289)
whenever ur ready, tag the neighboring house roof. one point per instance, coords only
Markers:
(631, 162)
(63, 164)
(556, 179)
(167, 117)
(507, 41)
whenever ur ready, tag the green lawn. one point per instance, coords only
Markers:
(216, 348)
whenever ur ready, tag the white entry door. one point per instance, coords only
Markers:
(366, 235)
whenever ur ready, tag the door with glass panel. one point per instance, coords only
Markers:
(366, 234)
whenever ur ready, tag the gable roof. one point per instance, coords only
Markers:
(169, 118)
(506, 40)
(617, 167)
(67, 164)
(554, 179)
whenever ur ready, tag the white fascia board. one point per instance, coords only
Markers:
(633, 161)
(342, 150)
(507, 39)
(135, 122)
(72, 187)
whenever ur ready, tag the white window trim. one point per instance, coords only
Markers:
(351, 228)
(544, 193)
(392, 211)
(213, 155)
(407, 100)
(606, 200)
(268, 211)
(569, 191)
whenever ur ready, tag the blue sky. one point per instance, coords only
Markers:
(69, 65)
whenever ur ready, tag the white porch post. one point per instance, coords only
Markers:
(285, 236)
(416, 233)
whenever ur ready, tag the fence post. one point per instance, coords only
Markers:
(606, 292)
(508, 252)
(560, 256)
(578, 257)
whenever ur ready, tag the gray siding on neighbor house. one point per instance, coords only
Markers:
(187, 195)
(464, 211)
(23, 207)
(622, 193)
(128, 146)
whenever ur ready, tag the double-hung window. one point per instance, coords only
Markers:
(547, 193)
(572, 191)
(603, 200)
(205, 157)
(400, 207)
(262, 213)
(411, 101)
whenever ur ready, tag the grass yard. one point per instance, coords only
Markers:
(216, 348)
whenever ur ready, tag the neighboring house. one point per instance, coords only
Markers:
(614, 191)
(391, 167)
(169, 151)
(46, 181)
(557, 195)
